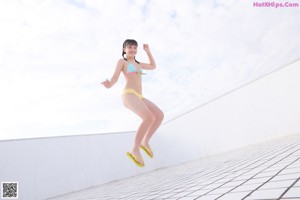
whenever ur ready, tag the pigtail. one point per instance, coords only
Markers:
(136, 61)
(123, 53)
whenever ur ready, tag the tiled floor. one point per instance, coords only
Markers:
(263, 171)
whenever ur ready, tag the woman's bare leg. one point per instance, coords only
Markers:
(139, 107)
(158, 118)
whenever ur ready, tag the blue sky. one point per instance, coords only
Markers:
(54, 54)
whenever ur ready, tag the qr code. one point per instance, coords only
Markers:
(9, 190)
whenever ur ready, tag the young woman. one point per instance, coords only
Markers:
(134, 100)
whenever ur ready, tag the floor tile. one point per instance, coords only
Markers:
(266, 194)
(233, 184)
(208, 197)
(245, 188)
(286, 177)
(277, 184)
(290, 171)
(266, 174)
(297, 184)
(261, 171)
(199, 192)
(181, 194)
(257, 180)
(293, 193)
(232, 196)
(221, 190)
(187, 198)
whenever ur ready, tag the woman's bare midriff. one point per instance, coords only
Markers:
(133, 81)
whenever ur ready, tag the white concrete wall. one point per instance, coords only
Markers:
(265, 109)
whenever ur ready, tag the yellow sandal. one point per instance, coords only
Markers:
(148, 151)
(134, 159)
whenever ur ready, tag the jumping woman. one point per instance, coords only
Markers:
(134, 100)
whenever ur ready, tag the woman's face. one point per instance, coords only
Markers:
(130, 50)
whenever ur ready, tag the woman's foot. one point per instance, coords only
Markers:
(145, 146)
(136, 157)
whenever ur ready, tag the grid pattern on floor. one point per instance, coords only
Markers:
(265, 171)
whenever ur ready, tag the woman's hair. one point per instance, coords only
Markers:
(129, 42)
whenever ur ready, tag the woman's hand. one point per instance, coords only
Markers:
(106, 83)
(146, 47)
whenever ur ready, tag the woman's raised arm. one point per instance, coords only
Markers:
(152, 64)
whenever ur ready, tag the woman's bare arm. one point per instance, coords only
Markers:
(152, 64)
(115, 77)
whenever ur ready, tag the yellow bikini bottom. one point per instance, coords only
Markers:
(132, 91)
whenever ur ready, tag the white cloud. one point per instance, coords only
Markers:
(54, 54)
